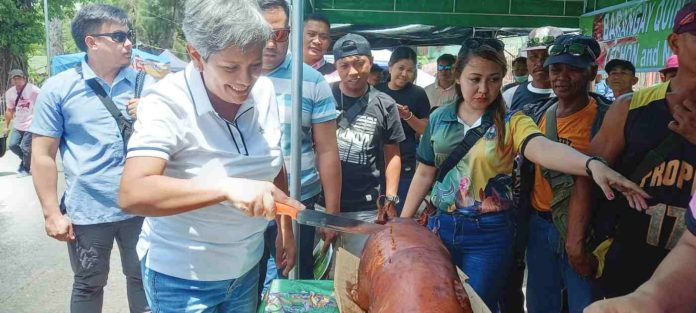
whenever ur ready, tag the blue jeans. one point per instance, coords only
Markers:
(171, 294)
(482, 248)
(20, 144)
(549, 272)
(305, 243)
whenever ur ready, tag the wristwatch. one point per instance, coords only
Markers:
(394, 198)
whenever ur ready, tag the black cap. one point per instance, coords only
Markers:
(620, 63)
(583, 61)
(350, 45)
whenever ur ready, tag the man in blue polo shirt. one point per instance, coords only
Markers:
(69, 115)
(320, 163)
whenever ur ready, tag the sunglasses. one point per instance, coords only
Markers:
(281, 34)
(574, 49)
(119, 36)
(541, 41)
(475, 43)
(441, 67)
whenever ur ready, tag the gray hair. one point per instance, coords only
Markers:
(90, 18)
(214, 25)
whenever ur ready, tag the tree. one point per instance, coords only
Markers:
(22, 26)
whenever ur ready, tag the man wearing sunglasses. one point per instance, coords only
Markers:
(540, 86)
(442, 91)
(321, 170)
(69, 115)
(573, 117)
(650, 135)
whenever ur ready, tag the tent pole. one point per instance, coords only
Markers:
(295, 132)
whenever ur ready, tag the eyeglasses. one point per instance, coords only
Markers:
(541, 41)
(441, 67)
(475, 43)
(281, 34)
(119, 36)
(574, 49)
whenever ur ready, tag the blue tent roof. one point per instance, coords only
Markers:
(61, 63)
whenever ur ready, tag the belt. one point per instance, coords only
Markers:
(544, 215)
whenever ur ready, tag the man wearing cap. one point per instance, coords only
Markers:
(575, 115)
(621, 76)
(320, 170)
(650, 136)
(670, 69)
(517, 97)
(20, 108)
(540, 87)
(443, 90)
(369, 133)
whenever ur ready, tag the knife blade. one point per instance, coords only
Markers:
(330, 221)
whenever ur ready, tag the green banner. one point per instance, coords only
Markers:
(635, 31)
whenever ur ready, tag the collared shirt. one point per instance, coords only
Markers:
(482, 179)
(177, 123)
(519, 96)
(90, 141)
(439, 96)
(25, 105)
(318, 106)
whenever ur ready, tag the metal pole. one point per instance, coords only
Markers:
(48, 40)
(295, 131)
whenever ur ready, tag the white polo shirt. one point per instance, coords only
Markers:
(176, 122)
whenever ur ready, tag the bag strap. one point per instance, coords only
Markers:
(655, 156)
(108, 103)
(551, 131)
(19, 94)
(139, 83)
(470, 139)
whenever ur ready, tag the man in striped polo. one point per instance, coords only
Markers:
(321, 168)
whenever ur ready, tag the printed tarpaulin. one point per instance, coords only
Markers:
(299, 296)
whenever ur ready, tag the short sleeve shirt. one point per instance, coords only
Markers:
(90, 141)
(25, 105)
(177, 123)
(417, 101)
(318, 106)
(362, 133)
(438, 96)
(483, 177)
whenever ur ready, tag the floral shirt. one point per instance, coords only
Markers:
(481, 181)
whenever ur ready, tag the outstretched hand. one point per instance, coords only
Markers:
(607, 179)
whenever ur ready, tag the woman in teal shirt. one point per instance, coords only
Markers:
(474, 198)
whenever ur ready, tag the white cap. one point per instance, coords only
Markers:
(541, 38)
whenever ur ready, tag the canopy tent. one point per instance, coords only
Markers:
(391, 23)
(61, 63)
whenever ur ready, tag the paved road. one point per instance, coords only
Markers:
(35, 273)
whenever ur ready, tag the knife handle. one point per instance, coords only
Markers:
(284, 209)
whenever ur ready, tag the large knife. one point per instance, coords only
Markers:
(325, 220)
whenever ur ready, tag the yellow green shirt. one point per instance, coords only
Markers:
(482, 180)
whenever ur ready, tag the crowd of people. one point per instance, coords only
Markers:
(514, 178)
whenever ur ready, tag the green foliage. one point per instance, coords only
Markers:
(22, 23)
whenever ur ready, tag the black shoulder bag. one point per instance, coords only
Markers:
(125, 125)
